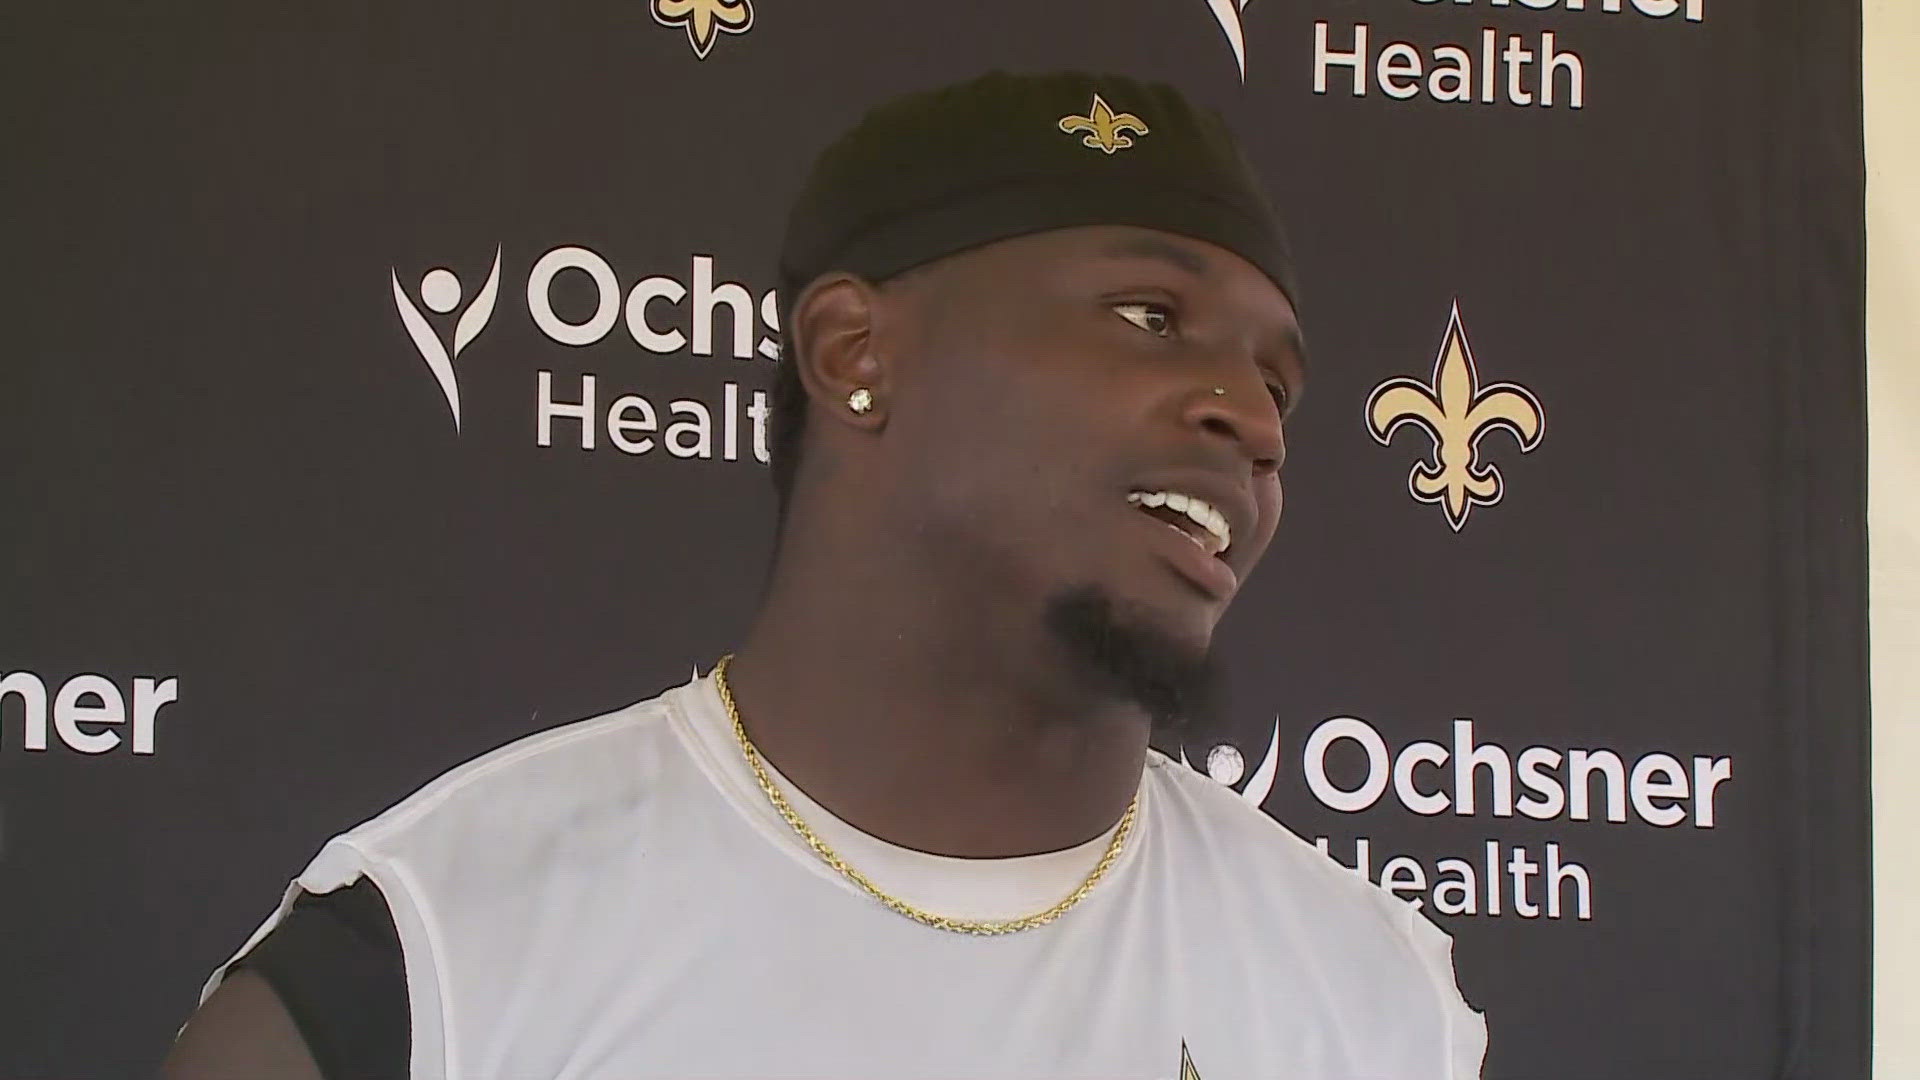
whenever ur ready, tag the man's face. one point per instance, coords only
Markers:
(1067, 393)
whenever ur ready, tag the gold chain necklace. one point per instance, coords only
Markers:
(985, 928)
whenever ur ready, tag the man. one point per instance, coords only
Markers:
(1040, 342)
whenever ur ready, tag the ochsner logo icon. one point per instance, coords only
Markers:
(440, 292)
(1228, 13)
(1226, 765)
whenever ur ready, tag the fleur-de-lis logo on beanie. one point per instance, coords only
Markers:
(1106, 129)
(704, 19)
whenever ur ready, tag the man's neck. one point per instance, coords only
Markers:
(939, 722)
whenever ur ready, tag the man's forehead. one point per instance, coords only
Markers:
(1201, 258)
(1188, 255)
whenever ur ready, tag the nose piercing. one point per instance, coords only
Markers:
(1219, 391)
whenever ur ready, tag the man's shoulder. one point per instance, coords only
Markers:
(543, 773)
(1228, 815)
(1265, 857)
(1371, 944)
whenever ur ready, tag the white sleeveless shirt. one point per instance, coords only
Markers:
(615, 899)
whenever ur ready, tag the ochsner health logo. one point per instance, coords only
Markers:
(440, 292)
(1227, 13)
(1226, 765)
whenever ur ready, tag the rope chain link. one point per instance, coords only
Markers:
(982, 928)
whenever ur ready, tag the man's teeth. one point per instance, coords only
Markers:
(1198, 510)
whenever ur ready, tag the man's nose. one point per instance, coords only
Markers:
(1240, 408)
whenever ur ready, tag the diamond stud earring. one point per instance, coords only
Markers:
(860, 401)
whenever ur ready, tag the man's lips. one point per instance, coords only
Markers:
(1230, 511)
(1191, 514)
(1205, 571)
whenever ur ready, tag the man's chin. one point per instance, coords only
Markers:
(1157, 660)
(1182, 624)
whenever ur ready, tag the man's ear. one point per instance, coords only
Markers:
(834, 324)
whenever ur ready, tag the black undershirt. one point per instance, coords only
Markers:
(336, 965)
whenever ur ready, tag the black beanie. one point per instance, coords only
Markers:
(1002, 155)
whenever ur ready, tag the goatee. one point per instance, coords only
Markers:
(1123, 653)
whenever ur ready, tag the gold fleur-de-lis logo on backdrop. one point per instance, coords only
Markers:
(1187, 1071)
(1106, 130)
(1457, 412)
(704, 19)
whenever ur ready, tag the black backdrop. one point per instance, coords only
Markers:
(229, 463)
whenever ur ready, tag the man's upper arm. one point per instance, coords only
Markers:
(321, 997)
(242, 1031)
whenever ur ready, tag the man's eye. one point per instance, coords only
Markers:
(1281, 398)
(1153, 318)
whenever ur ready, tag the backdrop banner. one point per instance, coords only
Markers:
(389, 382)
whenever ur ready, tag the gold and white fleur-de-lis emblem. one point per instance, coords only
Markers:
(704, 19)
(1106, 130)
(1457, 412)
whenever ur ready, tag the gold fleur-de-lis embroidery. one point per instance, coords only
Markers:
(1106, 129)
(1187, 1071)
(704, 19)
(1457, 413)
